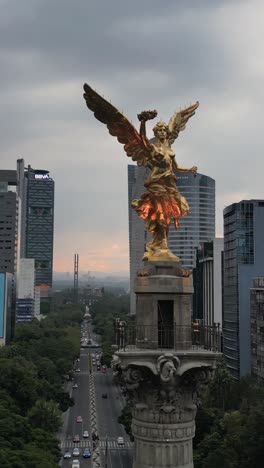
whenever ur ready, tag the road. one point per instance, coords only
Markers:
(107, 411)
(80, 408)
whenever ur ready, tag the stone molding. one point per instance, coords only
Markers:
(166, 390)
(162, 433)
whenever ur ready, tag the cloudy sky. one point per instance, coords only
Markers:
(140, 54)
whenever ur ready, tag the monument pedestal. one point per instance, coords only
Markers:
(164, 360)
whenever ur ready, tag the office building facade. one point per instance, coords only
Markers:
(38, 223)
(207, 280)
(26, 278)
(9, 222)
(25, 302)
(257, 329)
(197, 227)
(138, 236)
(6, 307)
(243, 261)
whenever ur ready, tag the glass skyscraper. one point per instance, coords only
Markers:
(138, 236)
(199, 225)
(38, 223)
(243, 261)
(9, 222)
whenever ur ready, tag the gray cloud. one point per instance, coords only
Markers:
(141, 54)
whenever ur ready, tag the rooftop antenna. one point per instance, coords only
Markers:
(75, 278)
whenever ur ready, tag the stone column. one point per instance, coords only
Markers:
(164, 409)
(162, 440)
(161, 370)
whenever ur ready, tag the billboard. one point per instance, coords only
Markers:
(2, 304)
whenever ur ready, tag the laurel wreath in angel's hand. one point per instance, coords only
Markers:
(136, 144)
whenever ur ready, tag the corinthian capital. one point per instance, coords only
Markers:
(167, 365)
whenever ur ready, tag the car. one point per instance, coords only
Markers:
(78, 370)
(104, 395)
(85, 434)
(120, 441)
(76, 438)
(75, 385)
(75, 464)
(76, 452)
(86, 453)
(67, 455)
(79, 419)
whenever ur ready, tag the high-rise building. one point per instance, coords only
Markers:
(6, 307)
(207, 281)
(37, 194)
(37, 303)
(9, 222)
(197, 227)
(22, 194)
(26, 278)
(257, 328)
(25, 303)
(138, 236)
(243, 261)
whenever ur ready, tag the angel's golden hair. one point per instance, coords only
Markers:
(158, 126)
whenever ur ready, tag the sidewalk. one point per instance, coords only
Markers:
(65, 416)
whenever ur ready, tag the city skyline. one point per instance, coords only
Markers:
(138, 59)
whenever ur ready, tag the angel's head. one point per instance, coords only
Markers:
(161, 130)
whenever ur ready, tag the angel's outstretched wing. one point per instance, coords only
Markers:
(179, 120)
(136, 146)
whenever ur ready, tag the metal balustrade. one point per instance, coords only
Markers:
(177, 337)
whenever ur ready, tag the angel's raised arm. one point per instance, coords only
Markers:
(136, 145)
(179, 120)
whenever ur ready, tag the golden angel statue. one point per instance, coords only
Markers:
(161, 202)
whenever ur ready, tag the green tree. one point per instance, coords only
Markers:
(221, 457)
(45, 415)
(221, 390)
(252, 439)
(19, 377)
(103, 313)
(230, 424)
(205, 418)
(126, 419)
(32, 373)
(12, 426)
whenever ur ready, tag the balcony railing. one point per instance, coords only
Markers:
(177, 337)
